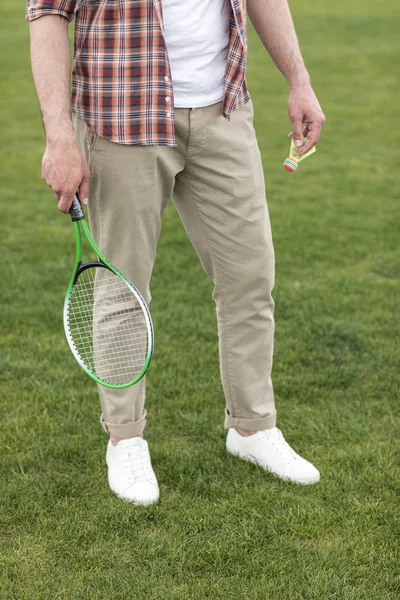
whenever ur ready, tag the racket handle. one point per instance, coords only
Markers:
(76, 210)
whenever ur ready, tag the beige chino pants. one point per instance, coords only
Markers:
(216, 181)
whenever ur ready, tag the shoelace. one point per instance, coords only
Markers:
(275, 437)
(137, 464)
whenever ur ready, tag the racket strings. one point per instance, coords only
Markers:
(108, 326)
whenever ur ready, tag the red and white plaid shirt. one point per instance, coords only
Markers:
(121, 83)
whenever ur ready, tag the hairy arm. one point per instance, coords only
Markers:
(63, 167)
(274, 25)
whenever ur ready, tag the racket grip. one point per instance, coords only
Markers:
(76, 210)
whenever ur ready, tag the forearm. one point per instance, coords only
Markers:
(274, 25)
(51, 67)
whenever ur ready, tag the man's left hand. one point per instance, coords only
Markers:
(304, 108)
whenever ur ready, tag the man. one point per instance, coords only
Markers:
(161, 109)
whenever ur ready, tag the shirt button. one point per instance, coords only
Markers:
(168, 115)
(166, 78)
(167, 99)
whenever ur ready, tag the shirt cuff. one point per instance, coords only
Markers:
(35, 13)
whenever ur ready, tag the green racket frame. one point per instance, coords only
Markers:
(78, 220)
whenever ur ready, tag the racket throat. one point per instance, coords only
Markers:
(81, 267)
(78, 269)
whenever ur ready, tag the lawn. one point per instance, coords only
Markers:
(223, 529)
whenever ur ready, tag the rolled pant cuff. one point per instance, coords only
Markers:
(259, 424)
(125, 430)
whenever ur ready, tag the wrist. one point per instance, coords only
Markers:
(300, 80)
(59, 132)
(64, 138)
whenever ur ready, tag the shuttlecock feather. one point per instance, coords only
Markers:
(292, 162)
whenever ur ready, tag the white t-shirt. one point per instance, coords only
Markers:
(196, 33)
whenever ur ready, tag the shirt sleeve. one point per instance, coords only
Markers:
(39, 8)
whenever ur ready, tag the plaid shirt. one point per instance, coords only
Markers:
(121, 83)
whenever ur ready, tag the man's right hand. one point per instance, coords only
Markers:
(65, 170)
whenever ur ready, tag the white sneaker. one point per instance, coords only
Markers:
(269, 450)
(130, 474)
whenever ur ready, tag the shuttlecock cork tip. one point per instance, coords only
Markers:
(290, 164)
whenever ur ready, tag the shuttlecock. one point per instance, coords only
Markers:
(292, 162)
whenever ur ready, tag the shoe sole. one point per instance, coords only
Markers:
(251, 459)
(135, 502)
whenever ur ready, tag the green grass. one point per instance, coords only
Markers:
(223, 529)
